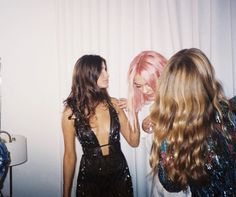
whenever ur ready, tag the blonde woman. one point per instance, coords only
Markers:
(192, 145)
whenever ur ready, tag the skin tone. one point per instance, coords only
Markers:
(141, 84)
(103, 80)
(69, 158)
(100, 125)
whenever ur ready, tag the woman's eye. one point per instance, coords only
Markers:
(138, 86)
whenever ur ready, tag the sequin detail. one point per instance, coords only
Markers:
(99, 175)
(220, 163)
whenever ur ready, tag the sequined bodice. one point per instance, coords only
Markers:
(102, 175)
(89, 141)
(220, 165)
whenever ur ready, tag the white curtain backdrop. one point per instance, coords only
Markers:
(40, 40)
(119, 29)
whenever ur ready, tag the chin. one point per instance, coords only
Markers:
(151, 98)
(103, 87)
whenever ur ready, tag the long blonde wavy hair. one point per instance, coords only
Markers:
(183, 115)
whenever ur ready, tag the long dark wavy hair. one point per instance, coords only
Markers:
(85, 94)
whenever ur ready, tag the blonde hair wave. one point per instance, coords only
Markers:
(183, 115)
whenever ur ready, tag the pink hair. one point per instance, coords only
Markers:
(149, 65)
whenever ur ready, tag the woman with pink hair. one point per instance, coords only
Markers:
(143, 74)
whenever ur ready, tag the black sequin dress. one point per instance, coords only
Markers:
(102, 175)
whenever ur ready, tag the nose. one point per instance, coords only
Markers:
(145, 89)
(106, 75)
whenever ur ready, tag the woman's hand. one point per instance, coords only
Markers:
(147, 125)
(122, 103)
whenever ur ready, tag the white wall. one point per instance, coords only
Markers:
(30, 93)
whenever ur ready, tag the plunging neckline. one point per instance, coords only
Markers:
(109, 134)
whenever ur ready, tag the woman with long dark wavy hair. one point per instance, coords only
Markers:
(96, 119)
(193, 122)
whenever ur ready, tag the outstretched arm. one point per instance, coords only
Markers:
(69, 158)
(147, 124)
(129, 128)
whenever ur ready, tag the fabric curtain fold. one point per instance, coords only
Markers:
(119, 30)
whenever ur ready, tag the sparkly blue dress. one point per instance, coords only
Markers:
(220, 163)
(102, 175)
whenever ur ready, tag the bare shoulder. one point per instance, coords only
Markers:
(67, 111)
(114, 102)
(67, 121)
(67, 117)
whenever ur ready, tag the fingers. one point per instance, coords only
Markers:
(147, 125)
(122, 103)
